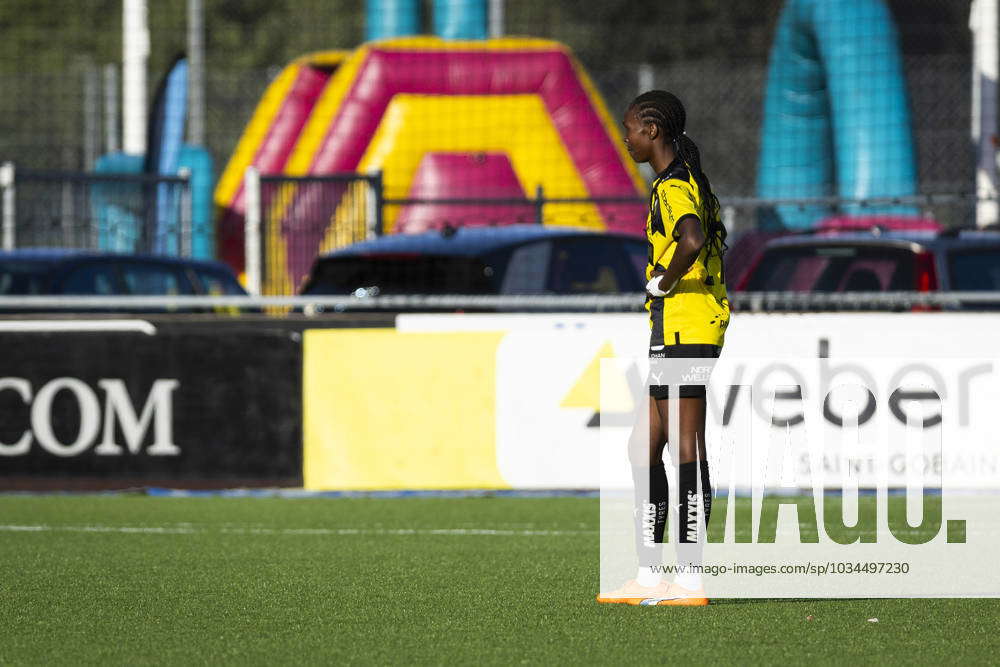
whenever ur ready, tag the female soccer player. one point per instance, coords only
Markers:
(689, 313)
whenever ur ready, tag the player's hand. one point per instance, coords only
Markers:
(655, 288)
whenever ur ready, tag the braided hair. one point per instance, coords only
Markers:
(667, 112)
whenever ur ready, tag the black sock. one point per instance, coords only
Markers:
(651, 500)
(706, 492)
(693, 515)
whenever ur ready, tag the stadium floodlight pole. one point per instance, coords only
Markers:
(91, 113)
(196, 72)
(496, 27)
(111, 120)
(135, 52)
(985, 66)
(7, 204)
(251, 231)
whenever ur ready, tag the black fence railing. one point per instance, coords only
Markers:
(292, 220)
(315, 305)
(112, 212)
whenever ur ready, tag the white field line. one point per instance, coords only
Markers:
(190, 530)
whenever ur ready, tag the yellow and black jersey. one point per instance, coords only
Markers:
(696, 312)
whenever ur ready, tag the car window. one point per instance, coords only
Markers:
(154, 278)
(834, 268)
(526, 269)
(91, 278)
(400, 274)
(218, 283)
(589, 266)
(18, 278)
(975, 270)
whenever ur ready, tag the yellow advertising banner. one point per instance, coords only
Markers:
(390, 410)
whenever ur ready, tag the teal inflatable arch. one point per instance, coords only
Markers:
(836, 112)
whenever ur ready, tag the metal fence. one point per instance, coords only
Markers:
(312, 306)
(291, 220)
(111, 212)
(62, 106)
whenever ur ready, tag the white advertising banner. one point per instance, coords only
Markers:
(548, 385)
(769, 335)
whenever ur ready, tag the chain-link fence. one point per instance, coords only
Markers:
(57, 64)
(133, 213)
(776, 92)
(291, 220)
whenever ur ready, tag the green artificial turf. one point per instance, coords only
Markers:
(271, 580)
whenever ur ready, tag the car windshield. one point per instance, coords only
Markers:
(833, 268)
(23, 277)
(975, 270)
(401, 274)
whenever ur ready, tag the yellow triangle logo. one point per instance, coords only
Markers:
(586, 391)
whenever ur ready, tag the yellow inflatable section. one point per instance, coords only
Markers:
(309, 71)
(517, 125)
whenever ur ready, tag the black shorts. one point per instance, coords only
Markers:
(661, 392)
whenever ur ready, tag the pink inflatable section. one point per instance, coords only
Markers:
(458, 176)
(548, 74)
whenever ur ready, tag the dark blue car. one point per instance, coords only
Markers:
(37, 272)
(517, 259)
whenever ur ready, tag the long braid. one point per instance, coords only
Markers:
(666, 111)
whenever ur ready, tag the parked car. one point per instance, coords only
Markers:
(41, 272)
(516, 259)
(878, 261)
(746, 247)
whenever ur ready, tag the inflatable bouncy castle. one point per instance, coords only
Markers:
(502, 119)
(836, 112)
